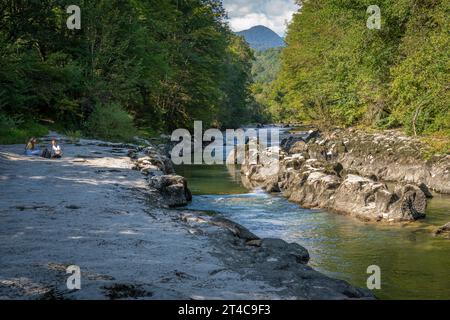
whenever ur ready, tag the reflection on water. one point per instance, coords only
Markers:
(216, 179)
(414, 264)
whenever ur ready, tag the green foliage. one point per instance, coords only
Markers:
(236, 102)
(167, 63)
(74, 135)
(338, 72)
(111, 123)
(437, 144)
(420, 87)
(15, 131)
(266, 65)
(265, 69)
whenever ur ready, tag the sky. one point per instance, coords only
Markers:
(273, 14)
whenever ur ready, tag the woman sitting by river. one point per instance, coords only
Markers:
(32, 148)
(56, 150)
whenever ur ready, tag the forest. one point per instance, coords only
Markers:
(336, 71)
(133, 66)
(151, 66)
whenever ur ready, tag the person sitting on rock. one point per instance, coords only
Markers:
(56, 150)
(32, 148)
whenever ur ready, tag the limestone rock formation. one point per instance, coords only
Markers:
(173, 188)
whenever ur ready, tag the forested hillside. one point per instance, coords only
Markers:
(157, 65)
(266, 65)
(265, 69)
(153, 65)
(337, 71)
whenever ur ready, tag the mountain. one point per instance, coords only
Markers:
(262, 38)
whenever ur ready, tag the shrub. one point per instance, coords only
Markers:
(420, 86)
(74, 135)
(16, 131)
(110, 122)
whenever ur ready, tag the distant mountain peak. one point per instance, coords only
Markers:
(262, 38)
(260, 27)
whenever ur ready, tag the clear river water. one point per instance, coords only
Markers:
(414, 264)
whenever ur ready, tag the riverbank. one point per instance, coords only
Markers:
(322, 170)
(93, 210)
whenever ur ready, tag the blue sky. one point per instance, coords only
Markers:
(244, 14)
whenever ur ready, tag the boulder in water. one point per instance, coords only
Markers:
(444, 230)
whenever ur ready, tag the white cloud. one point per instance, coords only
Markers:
(273, 14)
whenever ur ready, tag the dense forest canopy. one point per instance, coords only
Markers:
(163, 64)
(153, 66)
(266, 65)
(337, 71)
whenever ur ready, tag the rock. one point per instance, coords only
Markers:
(281, 265)
(173, 188)
(238, 230)
(372, 201)
(426, 190)
(152, 170)
(298, 147)
(317, 151)
(150, 162)
(338, 168)
(168, 166)
(254, 243)
(265, 173)
(272, 187)
(312, 134)
(438, 178)
(280, 248)
(331, 173)
(191, 218)
(390, 156)
(445, 229)
(132, 153)
(142, 141)
(412, 204)
(313, 190)
(287, 143)
(317, 183)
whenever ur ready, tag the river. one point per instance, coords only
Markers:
(414, 264)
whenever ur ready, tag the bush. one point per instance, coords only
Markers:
(110, 122)
(74, 135)
(14, 131)
(420, 93)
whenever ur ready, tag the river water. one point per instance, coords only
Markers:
(414, 264)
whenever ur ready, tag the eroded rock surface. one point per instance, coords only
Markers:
(317, 173)
(388, 156)
(173, 188)
(92, 210)
(281, 264)
(161, 175)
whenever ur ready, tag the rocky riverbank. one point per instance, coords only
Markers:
(345, 171)
(107, 208)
